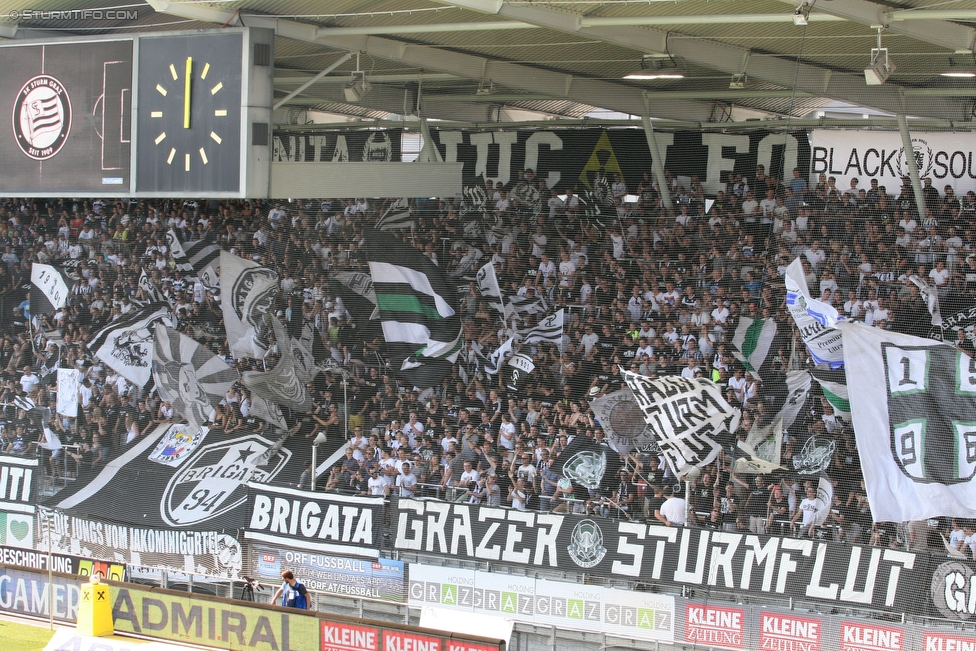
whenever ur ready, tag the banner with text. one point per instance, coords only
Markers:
(591, 608)
(946, 158)
(884, 579)
(382, 578)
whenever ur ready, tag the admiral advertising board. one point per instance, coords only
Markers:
(68, 112)
(806, 569)
(591, 608)
(945, 157)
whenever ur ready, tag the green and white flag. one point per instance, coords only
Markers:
(833, 383)
(752, 341)
(418, 310)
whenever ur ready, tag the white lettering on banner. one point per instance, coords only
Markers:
(346, 637)
(866, 637)
(716, 165)
(340, 523)
(30, 596)
(943, 642)
(857, 575)
(946, 158)
(789, 633)
(716, 626)
(396, 641)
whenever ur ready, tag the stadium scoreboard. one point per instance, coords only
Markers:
(145, 115)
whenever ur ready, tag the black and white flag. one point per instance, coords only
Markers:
(520, 305)
(488, 286)
(189, 376)
(397, 216)
(204, 256)
(588, 464)
(247, 297)
(69, 380)
(284, 384)
(179, 255)
(50, 287)
(149, 289)
(689, 417)
(517, 371)
(914, 416)
(492, 362)
(549, 329)
(267, 411)
(126, 344)
(931, 295)
(762, 449)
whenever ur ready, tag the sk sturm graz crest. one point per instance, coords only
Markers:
(42, 117)
(586, 544)
(214, 481)
(931, 402)
(378, 148)
(254, 306)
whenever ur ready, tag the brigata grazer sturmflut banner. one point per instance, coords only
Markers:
(885, 579)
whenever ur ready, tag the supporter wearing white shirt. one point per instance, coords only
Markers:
(815, 254)
(28, 380)
(555, 205)
(546, 267)
(589, 339)
(853, 307)
(406, 480)
(908, 223)
(720, 313)
(749, 205)
(939, 275)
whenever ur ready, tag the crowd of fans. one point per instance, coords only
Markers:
(654, 292)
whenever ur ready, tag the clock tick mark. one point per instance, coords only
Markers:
(186, 162)
(172, 154)
(172, 71)
(162, 91)
(203, 155)
(216, 89)
(161, 137)
(215, 137)
(220, 113)
(206, 69)
(156, 114)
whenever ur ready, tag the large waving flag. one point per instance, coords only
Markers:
(189, 376)
(126, 344)
(914, 416)
(248, 293)
(418, 310)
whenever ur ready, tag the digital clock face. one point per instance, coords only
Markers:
(189, 114)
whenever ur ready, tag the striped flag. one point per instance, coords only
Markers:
(397, 216)
(200, 258)
(418, 310)
(752, 341)
(833, 383)
(549, 329)
(520, 305)
(189, 376)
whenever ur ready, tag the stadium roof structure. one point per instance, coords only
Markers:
(689, 62)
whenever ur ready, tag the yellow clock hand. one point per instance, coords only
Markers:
(186, 93)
